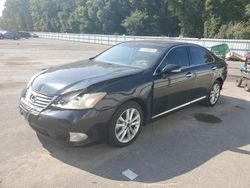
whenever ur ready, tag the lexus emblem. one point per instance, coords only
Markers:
(32, 98)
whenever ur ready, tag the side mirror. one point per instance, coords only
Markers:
(171, 68)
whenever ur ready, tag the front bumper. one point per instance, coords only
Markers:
(58, 124)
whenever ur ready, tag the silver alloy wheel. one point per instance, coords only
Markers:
(127, 125)
(215, 93)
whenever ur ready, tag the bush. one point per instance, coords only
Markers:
(234, 31)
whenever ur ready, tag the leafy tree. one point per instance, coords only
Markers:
(222, 12)
(16, 15)
(237, 31)
(106, 16)
(45, 15)
(190, 18)
(247, 11)
(135, 23)
(150, 17)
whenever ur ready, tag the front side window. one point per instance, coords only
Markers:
(177, 56)
(199, 56)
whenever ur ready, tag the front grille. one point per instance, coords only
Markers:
(36, 100)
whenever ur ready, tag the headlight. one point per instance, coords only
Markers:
(78, 101)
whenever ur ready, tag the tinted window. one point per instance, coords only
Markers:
(177, 56)
(199, 56)
(140, 55)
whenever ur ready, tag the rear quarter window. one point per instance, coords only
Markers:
(200, 56)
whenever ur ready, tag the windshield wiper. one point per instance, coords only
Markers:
(91, 58)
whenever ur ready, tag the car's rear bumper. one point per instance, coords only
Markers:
(58, 124)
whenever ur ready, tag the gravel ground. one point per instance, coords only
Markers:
(184, 149)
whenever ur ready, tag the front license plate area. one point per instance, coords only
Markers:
(26, 110)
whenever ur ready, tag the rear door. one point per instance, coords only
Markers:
(202, 64)
(173, 89)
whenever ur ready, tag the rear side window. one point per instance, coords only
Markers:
(177, 56)
(199, 56)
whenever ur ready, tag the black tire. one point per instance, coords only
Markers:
(238, 82)
(207, 101)
(112, 138)
(247, 86)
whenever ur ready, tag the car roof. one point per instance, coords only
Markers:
(163, 43)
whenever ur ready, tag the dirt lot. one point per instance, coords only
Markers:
(177, 150)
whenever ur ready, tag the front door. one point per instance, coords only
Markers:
(173, 89)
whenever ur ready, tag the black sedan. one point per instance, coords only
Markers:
(115, 93)
(24, 34)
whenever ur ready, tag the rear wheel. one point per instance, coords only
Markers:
(238, 82)
(125, 124)
(214, 94)
(247, 86)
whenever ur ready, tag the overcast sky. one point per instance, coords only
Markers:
(1, 6)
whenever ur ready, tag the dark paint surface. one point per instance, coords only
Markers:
(156, 93)
(172, 91)
(66, 78)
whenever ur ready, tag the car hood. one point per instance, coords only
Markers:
(78, 75)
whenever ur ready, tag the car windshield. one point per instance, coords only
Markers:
(138, 55)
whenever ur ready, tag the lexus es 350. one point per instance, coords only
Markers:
(115, 93)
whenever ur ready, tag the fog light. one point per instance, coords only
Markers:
(77, 137)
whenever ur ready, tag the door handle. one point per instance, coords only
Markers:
(214, 68)
(189, 75)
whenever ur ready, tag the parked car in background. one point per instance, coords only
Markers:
(34, 35)
(11, 35)
(24, 34)
(115, 93)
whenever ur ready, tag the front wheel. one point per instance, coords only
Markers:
(125, 124)
(214, 94)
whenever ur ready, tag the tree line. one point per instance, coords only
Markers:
(188, 18)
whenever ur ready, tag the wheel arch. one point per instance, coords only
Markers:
(143, 105)
(220, 80)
